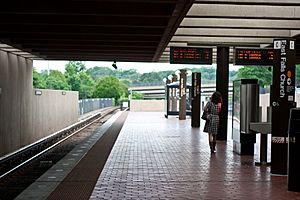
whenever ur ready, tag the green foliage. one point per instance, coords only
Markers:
(125, 82)
(208, 75)
(86, 85)
(109, 87)
(38, 81)
(79, 79)
(164, 74)
(56, 80)
(72, 74)
(74, 67)
(137, 95)
(150, 77)
(104, 82)
(263, 75)
(98, 72)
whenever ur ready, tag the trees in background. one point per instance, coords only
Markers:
(102, 82)
(137, 95)
(262, 74)
(56, 80)
(38, 81)
(110, 87)
(79, 79)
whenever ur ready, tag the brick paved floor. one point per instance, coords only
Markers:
(158, 158)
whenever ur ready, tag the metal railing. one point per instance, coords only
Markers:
(88, 105)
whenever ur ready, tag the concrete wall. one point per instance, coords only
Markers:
(16, 90)
(147, 105)
(25, 117)
(51, 112)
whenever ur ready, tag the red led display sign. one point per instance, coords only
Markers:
(254, 57)
(190, 55)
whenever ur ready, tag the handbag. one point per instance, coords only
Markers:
(204, 115)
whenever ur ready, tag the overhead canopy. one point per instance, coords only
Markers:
(122, 30)
(237, 23)
(142, 30)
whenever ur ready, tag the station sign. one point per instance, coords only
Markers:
(254, 57)
(190, 55)
(282, 100)
(196, 99)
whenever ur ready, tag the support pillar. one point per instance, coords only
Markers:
(182, 94)
(222, 84)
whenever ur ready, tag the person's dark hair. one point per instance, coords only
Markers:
(216, 97)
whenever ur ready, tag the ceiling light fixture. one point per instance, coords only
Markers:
(114, 65)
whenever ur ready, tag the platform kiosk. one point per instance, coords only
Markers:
(172, 99)
(245, 110)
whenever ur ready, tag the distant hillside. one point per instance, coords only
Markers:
(208, 75)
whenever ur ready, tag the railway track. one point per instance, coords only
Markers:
(20, 169)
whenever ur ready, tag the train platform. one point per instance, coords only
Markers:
(156, 158)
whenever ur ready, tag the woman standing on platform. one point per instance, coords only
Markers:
(213, 109)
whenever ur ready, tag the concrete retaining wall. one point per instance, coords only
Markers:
(52, 111)
(24, 116)
(147, 105)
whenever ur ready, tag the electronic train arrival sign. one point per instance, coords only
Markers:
(190, 55)
(254, 57)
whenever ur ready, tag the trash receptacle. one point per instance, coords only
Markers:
(294, 151)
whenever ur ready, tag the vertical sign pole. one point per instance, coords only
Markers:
(182, 95)
(282, 100)
(174, 98)
(196, 88)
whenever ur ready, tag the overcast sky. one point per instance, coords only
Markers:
(140, 67)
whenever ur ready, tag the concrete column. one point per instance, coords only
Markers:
(15, 105)
(222, 86)
(182, 95)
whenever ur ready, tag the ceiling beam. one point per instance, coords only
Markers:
(245, 11)
(85, 42)
(231, 32)
(92, 8)
(80, 36)
(240, 24)
(241, 40)
(88, 47)
(82, 21)
(251, 2)
(182, 7)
